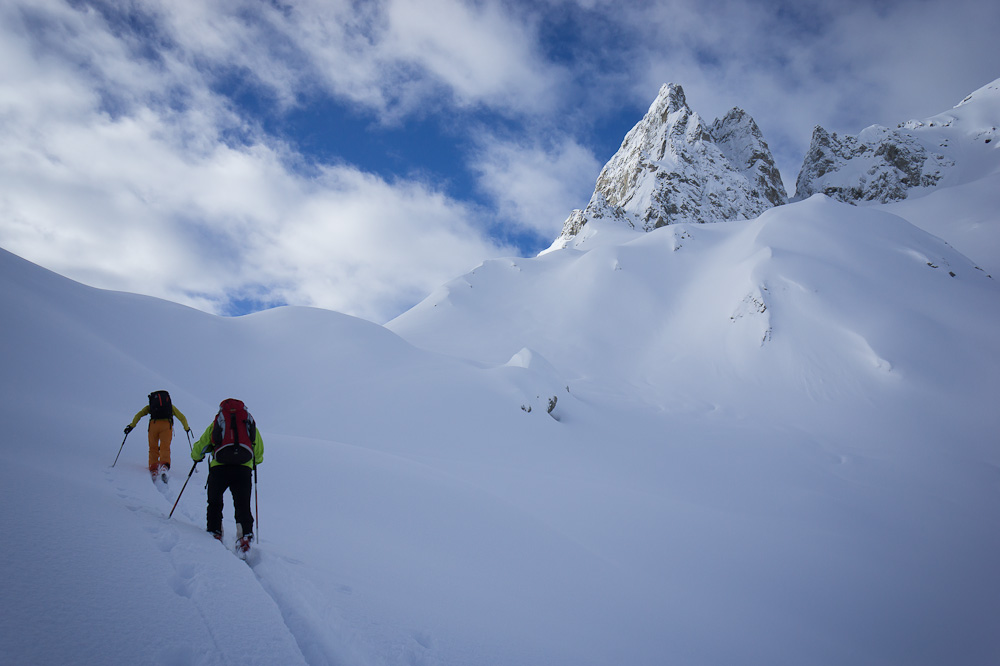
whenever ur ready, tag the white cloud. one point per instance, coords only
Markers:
(117, 205)
(481, 52)
(394, 57)
(397, 242)
(152, 199)
(537, 185)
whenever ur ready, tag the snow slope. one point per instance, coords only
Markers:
(773, 442)
(966, 216)
(370, 552)
(762, 442)
(813, 422)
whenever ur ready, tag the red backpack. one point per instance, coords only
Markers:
(233, 433)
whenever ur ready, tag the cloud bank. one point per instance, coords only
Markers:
(131, 172)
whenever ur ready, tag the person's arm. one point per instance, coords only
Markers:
(181, 416)
(204, 442)
(142, 412)
(258, 449)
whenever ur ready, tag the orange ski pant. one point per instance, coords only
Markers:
(161, 431)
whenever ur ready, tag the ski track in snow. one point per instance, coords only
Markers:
(166, 537)
(181, 540)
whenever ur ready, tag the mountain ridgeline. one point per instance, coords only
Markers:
(882, 165)
(673, 168)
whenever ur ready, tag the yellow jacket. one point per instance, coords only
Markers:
(145, 410)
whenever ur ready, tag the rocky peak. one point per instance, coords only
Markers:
(741, 141)
(670, 99)
(881, 165)
(672, 168)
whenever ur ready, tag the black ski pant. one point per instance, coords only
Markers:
(238, 480)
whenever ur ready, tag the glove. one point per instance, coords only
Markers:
(128, 429)
(187, 430)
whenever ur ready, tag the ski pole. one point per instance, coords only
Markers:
(182, 488)
(256, 507)
(121, 447)
(190, 445)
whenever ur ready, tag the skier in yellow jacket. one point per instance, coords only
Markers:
(161, 430)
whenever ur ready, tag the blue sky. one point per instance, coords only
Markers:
(354, 155)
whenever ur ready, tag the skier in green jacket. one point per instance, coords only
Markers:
(237, 448)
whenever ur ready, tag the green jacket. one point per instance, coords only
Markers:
(204, 446)
(145, 410)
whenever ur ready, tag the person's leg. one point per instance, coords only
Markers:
(241, 485)
(160, 434)
(166, 436)
(217, 484)
(153, 434)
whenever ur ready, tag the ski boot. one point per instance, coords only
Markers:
(243, 543)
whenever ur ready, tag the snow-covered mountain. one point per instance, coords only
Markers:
(674, 168)
(761, 441)
(694, 312)
(881, 165)
(737, 259)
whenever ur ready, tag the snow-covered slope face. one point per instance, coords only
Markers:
(781, 431)
(817, 295)
(967, 216)
(672, 168)
(818, 329)
(881, 165)
(374, 549)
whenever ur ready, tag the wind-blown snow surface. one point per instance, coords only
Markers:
(774, 442)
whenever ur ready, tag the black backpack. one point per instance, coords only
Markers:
(160, 407)
(233, 433)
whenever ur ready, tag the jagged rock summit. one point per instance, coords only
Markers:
(673, 168)
(881, 165)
